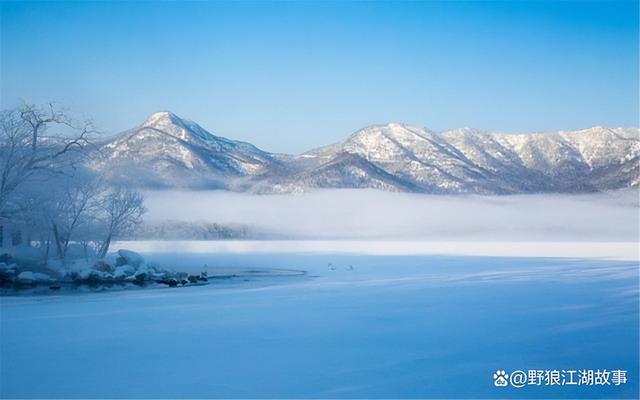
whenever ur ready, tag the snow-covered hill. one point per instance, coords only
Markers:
(167, 151)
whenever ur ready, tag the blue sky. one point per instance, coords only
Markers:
(292, 76)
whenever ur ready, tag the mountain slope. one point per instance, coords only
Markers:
(342, 171)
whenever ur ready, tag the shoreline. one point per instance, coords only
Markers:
(614, 251)
(216, 276)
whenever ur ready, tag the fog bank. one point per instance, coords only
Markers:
(370, 214)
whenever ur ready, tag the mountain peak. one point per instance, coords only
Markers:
(161, 118)
(185, 129)
(394, 130)
(388, 126)
(396, 125)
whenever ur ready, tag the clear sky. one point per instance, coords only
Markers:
(291, 76)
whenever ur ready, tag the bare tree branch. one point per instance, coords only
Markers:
(26, 151)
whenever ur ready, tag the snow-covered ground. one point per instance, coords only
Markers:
(360, 324)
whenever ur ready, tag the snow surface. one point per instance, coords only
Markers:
(356, 326)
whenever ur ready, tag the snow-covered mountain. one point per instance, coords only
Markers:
(167, 151)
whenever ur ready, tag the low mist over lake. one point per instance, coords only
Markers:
(373, 214)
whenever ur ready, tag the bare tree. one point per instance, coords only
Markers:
(76, 209)
(123, 209)
(27, 149)
(45, 184)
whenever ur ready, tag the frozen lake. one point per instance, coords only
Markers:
(357, 325)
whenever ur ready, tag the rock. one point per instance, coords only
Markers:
(153, 269)
(94, 276)
(8, 272)
(5, 257)
(30, 278)
(10, 267)
(112, 259)
(120, 275)
(171, 282)
(131, 257)
(145, 269)
(103, 266)
(198, 278)
(141, 276)
(83, 275)
(43, 278)
(124, 270)
(26, 278)
(159, 276)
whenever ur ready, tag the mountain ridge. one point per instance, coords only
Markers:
(167, 151)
